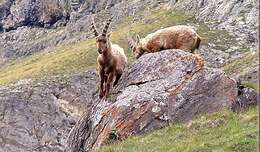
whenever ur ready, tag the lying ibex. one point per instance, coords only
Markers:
(175, 37)
(111, 60)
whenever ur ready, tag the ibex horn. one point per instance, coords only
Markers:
(94, 29)
(107, 26)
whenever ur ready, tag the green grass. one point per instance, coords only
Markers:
(80, 56)
(64, 59)
(252, 85)
(220, 132)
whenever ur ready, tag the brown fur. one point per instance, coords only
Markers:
(175, 37)
(111, 62)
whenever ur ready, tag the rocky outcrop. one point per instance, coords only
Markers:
(47, 13)
(158, 89)
(38, 116)
(42, 13)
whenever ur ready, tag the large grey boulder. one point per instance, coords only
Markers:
(38, 116)
(158, 89)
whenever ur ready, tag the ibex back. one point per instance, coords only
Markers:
(175, 37)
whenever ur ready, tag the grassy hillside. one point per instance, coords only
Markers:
(220, 132)
(80, 56)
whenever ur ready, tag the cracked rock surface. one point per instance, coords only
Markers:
(39, 117)
(159, 88)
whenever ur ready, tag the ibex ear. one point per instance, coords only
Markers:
(138, 39)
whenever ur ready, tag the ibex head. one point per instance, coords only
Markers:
(103, 39)
(136, 46)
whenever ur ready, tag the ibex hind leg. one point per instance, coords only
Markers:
(108, 84)
(105, 78)
(118, 76)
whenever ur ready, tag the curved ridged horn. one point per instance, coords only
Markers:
(104, 32)
(94, 29)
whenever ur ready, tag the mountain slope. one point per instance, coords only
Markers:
(48, 66)
(80, 56)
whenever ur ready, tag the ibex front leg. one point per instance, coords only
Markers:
(102, 80)
(108, 84)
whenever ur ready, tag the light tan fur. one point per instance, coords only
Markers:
(111, 61)
(175, 37)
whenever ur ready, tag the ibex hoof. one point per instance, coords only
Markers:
(101, 96)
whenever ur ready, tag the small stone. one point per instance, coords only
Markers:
(156, 109)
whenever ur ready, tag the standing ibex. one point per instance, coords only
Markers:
(175, 37)
(111, 60)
